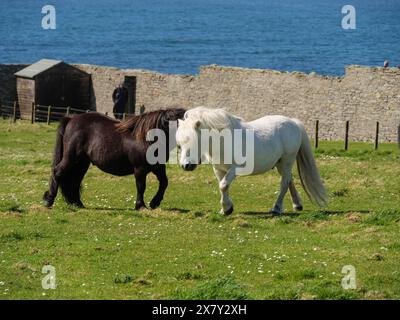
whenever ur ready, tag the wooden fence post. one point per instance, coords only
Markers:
(68, 110)
(33, 111)
(123, 116)
(14, 118)
(316, 133)
(377, 135)
(346, 137)
(48, 114)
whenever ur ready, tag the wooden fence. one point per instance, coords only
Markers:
(49, 113)
(346, 135)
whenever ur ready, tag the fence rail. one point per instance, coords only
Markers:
(9, 110)
(346, 135)
(41, 113)
(48, 114)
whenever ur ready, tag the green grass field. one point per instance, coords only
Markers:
(185, 250)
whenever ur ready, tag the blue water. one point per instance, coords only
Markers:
(177, 36)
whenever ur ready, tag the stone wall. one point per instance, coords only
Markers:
(153, 90)
(363, 95)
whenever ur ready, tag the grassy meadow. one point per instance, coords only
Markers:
(185, 250)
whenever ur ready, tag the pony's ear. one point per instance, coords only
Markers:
(197, 124)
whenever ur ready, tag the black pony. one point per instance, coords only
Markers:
(115, 147)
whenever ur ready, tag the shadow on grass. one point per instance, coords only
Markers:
(128, 209)
(295, 216)
(269, 214)
(180, 210)
(107, 209)
(340, 212)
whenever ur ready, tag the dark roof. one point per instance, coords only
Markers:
(37, 68)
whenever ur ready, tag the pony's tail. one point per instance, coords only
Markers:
(50, 195)
(58, 153)
(308, 171)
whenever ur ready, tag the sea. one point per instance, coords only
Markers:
(178, 36)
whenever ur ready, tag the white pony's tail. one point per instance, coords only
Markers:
(308, 171)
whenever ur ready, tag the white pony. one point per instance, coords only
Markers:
(278, 142)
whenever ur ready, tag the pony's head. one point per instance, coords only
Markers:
(188, 135)
(188, 143)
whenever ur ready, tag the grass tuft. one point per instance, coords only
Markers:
(241, 223)
(123, 278)
(216, 217)
(11, 206)
(383, 217)
(11, 236)
(144, 282)
(340, 192)
(220, 288)
(314, 216)
(308, 274)
(377, 257)
(331, 291)
(188, 275)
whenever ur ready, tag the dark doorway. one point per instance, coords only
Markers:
(130, 84)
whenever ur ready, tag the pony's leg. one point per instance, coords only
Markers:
(63, 175)
(51, 194)
(76, 176)
(284, 167)
(161, 175)
(225, 179)
(296, 200)
(140, 176)
(62, 168)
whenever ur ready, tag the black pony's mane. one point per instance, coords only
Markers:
(139, 125)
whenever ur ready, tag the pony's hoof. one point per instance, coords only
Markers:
(48, 200)
(227, 212)
(48, 204)
(154, 204)
(140, 207)
(298, 208)
(79, 205)
(76, 205)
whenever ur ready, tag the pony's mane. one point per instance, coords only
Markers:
(213, 118)
(141, 124)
